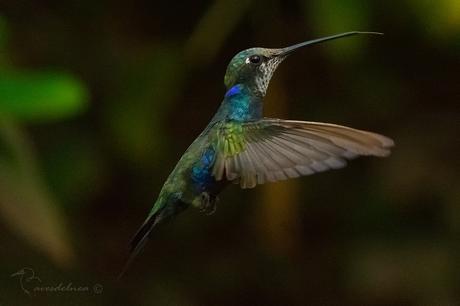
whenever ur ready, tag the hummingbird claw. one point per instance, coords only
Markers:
(208, 203)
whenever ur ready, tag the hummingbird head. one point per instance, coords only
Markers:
(255, 66)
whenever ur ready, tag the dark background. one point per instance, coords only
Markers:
(99, 99)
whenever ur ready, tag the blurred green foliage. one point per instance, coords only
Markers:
(40, 96)
(26, 203)
(99, 100)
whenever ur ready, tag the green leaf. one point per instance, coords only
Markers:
(41, 96)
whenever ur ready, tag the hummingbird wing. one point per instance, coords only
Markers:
(274, 149)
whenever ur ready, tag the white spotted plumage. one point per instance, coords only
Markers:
(267, 69)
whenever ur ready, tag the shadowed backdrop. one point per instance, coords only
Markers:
(98, 101)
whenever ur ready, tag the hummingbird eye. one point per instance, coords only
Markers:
(254, 59)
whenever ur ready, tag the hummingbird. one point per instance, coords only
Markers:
(241, 146)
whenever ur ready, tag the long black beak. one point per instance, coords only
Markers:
(288, 50)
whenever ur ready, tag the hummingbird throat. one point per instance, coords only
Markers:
(265, 73)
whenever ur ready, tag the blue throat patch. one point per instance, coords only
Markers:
(235, 90)
(239, 104)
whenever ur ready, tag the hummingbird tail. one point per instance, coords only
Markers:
(139, 240)
(162, 210)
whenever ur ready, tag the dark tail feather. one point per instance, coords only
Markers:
(164, 210)
(139, 240)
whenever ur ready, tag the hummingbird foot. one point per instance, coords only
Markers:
(207, 203)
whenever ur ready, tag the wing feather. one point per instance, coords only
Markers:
(271, 150)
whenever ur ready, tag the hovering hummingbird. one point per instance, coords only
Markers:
(241, 146)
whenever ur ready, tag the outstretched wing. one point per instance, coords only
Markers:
(274, 149)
